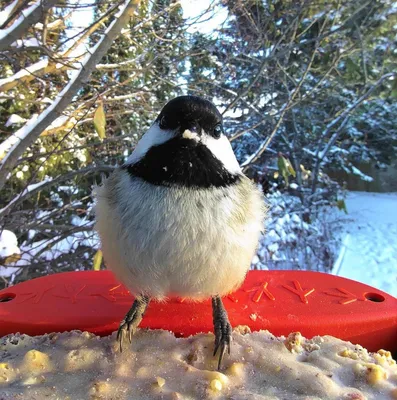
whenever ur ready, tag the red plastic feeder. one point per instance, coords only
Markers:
(312, 303)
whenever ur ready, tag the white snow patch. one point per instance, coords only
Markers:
(364, 177)
(8, 247)
(370, 244)
(14, 119)
(32, 42)
(27, 190)
(6, 12)
(31, 69)
(8, 244)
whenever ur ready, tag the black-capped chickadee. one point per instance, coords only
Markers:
(179, 218)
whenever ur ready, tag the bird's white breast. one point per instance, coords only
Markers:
(177, 241)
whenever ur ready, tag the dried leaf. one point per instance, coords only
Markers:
(341, 205)
(12, 259)
(100, 121)
(97, 261)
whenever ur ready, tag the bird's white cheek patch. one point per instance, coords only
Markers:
(154, 136)
(223, 151)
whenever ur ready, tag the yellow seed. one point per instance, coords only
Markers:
(384, 353)
(278, 369)
(236, 369)
(216, 385)
(32, 380)
(384, 357)
(4, 366)
(254, 317)
(160, 381)
(215, 375)
(375, 373)
(35, 359)
(142, 372)
(349, 354)
(100, 387)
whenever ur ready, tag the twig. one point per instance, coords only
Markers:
(29, 133)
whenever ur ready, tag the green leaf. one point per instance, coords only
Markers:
(285, 168)
(96, 266)
(394, 88)
(291, 169)
(341, 205)
(100, 121)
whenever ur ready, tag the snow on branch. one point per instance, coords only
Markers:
(6, 13)
(27, 19)
(30, 132)
(23, 73)
(263, 146)
(346, 114)
(343, 119)
(37, 187)
(46, 66)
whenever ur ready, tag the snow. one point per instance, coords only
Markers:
(364, 177)
(369, 249)
(60, 121)
(8, 247)
(8, 244)
(14, 119)
(32, 42)
(12, 142)
(27, 190)
(26, 71)
(6, 12)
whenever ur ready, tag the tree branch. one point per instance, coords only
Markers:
(263, 146)
(27, 19)
(44, 184)
(345, 116)
(30, 132)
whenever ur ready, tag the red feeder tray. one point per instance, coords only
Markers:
(312, 303)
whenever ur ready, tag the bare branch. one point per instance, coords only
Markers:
(28, 18)
(42, 185)
(344, 117)
(30, 132)
(263, 146)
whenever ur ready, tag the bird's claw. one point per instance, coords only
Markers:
(131, 321)
(222, 330)
(223, 338)
(125, 327)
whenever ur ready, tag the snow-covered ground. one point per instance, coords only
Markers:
(369, 253)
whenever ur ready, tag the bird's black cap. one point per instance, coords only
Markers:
(189, 112)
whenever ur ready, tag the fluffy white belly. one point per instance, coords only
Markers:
(165, 241)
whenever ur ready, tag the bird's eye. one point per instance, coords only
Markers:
(163, 122)
(218, 130)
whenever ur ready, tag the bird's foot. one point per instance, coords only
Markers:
(132, 319)
(222, 329)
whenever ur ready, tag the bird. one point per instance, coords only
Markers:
(179, 217)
